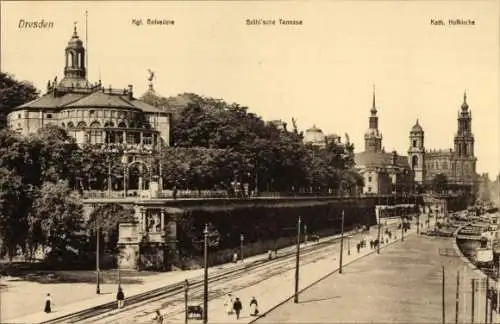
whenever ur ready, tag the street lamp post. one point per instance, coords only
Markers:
(297, 258)
(205, 279)
(341, 242)
(98, 288)
(186, 290)
(379, 220)
(242, 237)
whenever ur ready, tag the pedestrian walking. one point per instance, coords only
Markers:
(157, 318)
(237, 307)
(235, 257)
(269, 255)
(48, 304)
(228, 304)
(120, 297)
(254, 307)
(358, 247)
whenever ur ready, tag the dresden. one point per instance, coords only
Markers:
(35, 24)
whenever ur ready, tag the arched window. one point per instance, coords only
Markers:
(62, 125)
(81, 124)
(414, 143)
(109, 124)
(95, 124)
(122, 125)
(414, 161)
(70, 125)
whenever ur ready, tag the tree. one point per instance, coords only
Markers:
(12, 213)
(56, 154)
(108, 217)
(14, 93)
(439, 183)
(57, 215)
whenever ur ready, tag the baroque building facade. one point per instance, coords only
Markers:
(383, 172)
(457, 164)
(110, 119)
(89, 112)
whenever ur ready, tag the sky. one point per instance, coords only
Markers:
(320, 73)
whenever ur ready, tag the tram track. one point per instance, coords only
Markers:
(172, 290)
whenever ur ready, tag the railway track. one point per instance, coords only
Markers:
(176, 288)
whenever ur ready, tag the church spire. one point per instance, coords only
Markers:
(374, 108)
(465, 106)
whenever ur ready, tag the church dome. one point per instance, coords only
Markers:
(75, 41)
(417, 128)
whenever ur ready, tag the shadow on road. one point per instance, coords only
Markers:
(318, 299)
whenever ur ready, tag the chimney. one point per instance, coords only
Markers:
(394, 157)
(130, 92)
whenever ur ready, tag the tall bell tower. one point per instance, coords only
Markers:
(75, 73)
(373, 137)
(416, 153)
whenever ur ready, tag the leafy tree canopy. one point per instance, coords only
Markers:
(14, 93)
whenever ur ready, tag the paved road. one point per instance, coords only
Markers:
(271, 283)
(401, 285)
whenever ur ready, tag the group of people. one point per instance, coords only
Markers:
(234, 306)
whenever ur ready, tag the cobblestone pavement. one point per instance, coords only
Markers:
(401, 285)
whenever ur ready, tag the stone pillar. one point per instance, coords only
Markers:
(143, 219)
(162, 219)
(140, 180)
(142, 137)
(124, 137)
(172, 258)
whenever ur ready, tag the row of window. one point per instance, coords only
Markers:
(98, 113)
(97, 124)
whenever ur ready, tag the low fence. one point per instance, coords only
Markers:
(207, 194)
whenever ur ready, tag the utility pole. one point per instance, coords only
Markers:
(457, 297)
(378, 229)
(486, 299)
(442, 296)
(341, 242)
(297, 258)
(205, 281)
(498, 289)
(473, 300)
(186, 290)
(98, 288)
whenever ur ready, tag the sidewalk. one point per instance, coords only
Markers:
(277, 289)
(155, 282)
(401, 286)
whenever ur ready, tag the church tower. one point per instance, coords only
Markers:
(416, 153)
(464, 139)
(373, 138)
(75, 73)
(465, 161)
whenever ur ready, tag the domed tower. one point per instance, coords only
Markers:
(75, 73)
(416, 153)
(464, 139)
(373, 138)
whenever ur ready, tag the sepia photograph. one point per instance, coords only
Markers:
(250, 161)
